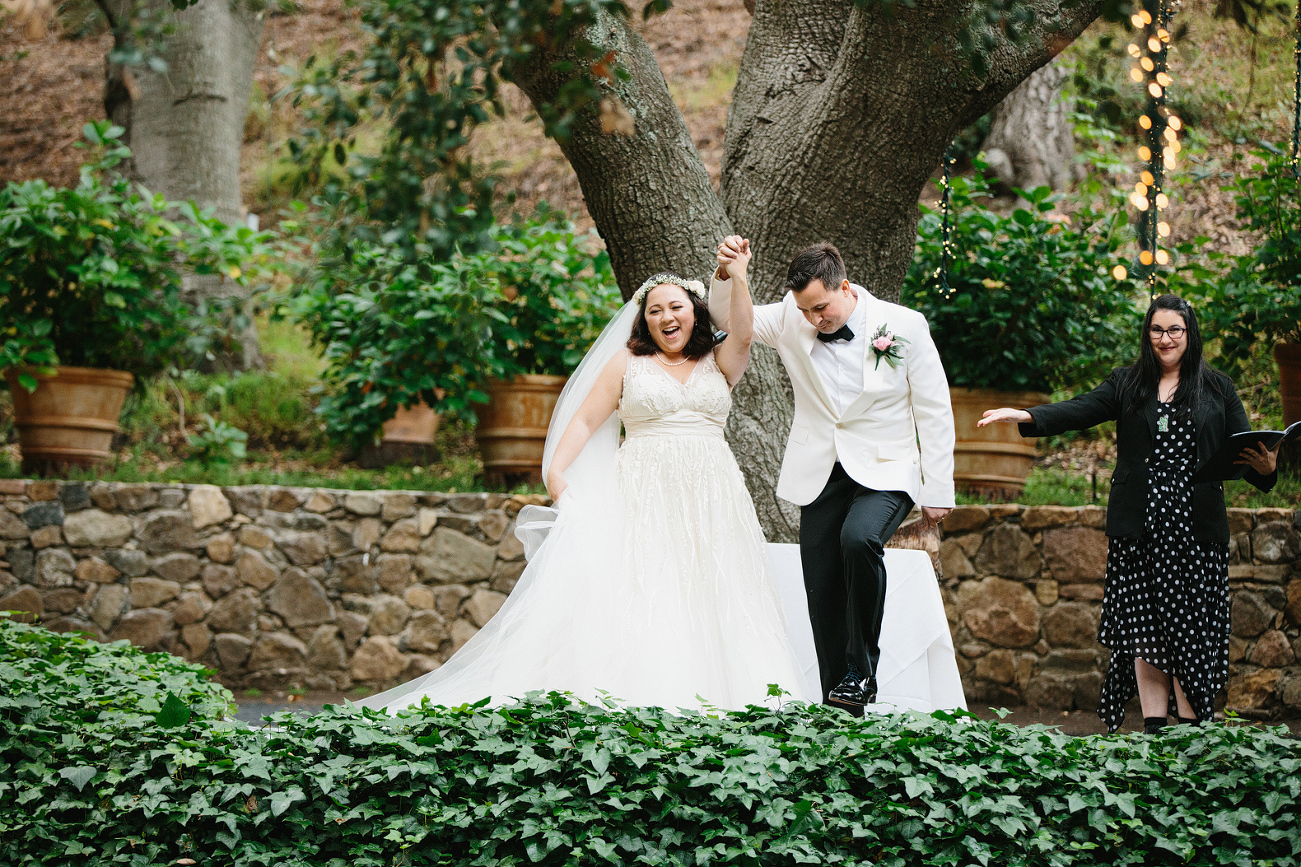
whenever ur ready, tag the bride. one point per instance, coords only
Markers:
(649, 582)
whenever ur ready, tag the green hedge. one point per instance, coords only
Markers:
(553, 781)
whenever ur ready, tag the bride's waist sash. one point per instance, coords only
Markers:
(684, 423)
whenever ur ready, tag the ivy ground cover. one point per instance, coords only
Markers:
(112, 756)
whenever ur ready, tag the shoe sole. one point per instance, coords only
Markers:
(845, 702)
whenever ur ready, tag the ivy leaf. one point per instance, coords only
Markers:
(79, 776)
(281, 801)
(173, 713)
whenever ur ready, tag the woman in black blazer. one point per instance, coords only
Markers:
(1165, 605)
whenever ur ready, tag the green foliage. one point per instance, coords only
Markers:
(77, 681)
(552, 781)
(92, 273)
(395, 332)
(1034, 305)
(1259, 300)
(218, 443)
(431, 72)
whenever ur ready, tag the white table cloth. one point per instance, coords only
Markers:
(918, 670)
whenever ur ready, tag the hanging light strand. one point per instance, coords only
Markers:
(1296, 97)
(946, 221)
(1160, 133)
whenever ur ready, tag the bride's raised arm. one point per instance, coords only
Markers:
(733, 354)
(600, 402)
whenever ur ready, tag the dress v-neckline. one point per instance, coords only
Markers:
(681, 382)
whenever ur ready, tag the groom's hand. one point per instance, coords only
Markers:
(932, 515)
(733, 257)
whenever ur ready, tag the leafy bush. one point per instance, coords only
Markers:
(1033, 305)
(80, 681)
(218, 443)
(395, 332)
(92, 273)
(1259, 300)
(552, 781)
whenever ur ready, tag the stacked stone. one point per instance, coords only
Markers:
(272, 587)
(1023, 590)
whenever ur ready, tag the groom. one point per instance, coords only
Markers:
(872, 436)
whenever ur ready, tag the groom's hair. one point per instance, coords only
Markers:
(819, 262)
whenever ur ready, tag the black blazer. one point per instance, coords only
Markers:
(1220, 415)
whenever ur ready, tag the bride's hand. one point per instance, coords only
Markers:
(733, 257)
(556, 486)
(1004, 414)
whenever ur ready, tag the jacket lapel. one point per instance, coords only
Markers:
(873, 377)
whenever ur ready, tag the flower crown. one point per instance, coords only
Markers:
(695, 287)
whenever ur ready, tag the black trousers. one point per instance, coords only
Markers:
(842, 548)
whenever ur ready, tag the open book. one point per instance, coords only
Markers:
(1221, 466)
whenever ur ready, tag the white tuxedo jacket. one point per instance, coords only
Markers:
(895, 435)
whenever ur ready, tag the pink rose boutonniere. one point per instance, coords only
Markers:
(886, 345)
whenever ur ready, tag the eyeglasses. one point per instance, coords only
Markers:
(1175, 331)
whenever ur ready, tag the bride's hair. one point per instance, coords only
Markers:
(699, 343)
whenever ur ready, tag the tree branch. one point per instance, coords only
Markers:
(648, 193)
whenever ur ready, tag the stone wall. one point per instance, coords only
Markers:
(1023, 590)
(271, 587)
(276, 587)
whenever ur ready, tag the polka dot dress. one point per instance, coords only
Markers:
(1166, 597)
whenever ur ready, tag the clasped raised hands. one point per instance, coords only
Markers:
(733, 258)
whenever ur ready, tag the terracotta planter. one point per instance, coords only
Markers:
(71, 418)
(994, 460)
(408, 439)
(512, 428)
(1288, 356)
(412, 424)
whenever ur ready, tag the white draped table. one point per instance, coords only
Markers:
(917, 669)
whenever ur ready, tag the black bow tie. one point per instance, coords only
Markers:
(841, 333)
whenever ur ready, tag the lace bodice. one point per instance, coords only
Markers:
(656, 404)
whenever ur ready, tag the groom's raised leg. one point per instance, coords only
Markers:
(873, 518)
(824, 575)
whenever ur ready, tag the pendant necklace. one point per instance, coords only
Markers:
(670, 363)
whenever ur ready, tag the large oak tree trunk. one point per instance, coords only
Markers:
(1031, 142)
(839, 117)
(185, 125)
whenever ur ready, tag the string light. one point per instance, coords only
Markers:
(1160, 133)
(946, 225)
(1296, 97)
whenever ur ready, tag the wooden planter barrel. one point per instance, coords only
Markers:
(994, 460)
(512, 428)
(1288, 357)
(71, 418)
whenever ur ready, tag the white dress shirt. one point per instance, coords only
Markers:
(840, 362)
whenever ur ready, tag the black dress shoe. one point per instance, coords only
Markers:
(854, 690)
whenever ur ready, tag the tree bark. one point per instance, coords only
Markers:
(648, 192)
(1030, 142)
(185, 125)
(839, 116)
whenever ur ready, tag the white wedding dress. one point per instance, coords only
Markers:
(652, 585)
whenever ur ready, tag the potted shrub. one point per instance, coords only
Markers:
(92, 298)
(1259, 301)
(1032, 306)
(552, 298)
(450, 334)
